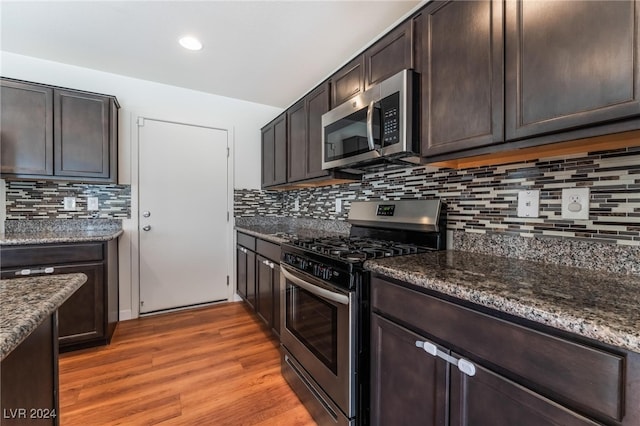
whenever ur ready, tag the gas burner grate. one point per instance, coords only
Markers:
(357, 249)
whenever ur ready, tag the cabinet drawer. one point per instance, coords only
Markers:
(268, 250)
(17, 256)
(246, 241)
(587, 379)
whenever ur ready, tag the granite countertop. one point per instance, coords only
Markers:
(58, 236)
(48, 231)
(599, 305)
(282, 233)
(26, 302)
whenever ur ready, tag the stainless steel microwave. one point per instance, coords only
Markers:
(374, 127)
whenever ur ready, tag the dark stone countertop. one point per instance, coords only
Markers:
(58, 236)
(599, 305)
(26, 302)
(281, 233)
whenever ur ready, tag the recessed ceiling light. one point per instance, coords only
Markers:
(190, 43)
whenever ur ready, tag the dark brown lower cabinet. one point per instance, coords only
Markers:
(29, 379)
(246, 274)
(408, 387)
(89, 317)
(258, 277)
(488, 399)
(268, 288)
(520, 374)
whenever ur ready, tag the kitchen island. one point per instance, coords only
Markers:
(29, 346)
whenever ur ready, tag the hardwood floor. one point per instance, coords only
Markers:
(210, 366)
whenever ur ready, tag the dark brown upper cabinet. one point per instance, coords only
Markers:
(54, 133)
(305, 135)
(297, 128)
(83, 134)
(459, 58)
(390, 55)
(569, 64)
(274, 152)
(26, 128)
(348, 81)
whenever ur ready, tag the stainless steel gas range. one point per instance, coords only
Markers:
(325, 300)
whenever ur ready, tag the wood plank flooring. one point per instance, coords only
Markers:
(210, 366)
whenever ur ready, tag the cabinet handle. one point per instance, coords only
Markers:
(465, 366)
(26, 272)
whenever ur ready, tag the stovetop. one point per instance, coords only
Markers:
(356, 249)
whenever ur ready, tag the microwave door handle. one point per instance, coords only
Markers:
(370, 140)
(318, 291)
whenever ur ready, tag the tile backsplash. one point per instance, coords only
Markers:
(484, 199)
(27, 200)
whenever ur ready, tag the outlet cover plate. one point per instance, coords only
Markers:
(529, 203)
(575, 203)
(69, 203)
(338, 205)
(92, 204)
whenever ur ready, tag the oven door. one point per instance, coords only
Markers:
(318, 329)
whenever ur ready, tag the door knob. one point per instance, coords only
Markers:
(146, 228)
(146, 214)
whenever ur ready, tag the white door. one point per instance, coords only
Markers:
(183, 215)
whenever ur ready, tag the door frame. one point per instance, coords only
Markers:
(135, 202)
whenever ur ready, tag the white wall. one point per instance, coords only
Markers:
(153, 100)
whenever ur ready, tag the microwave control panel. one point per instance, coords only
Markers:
(390, 110)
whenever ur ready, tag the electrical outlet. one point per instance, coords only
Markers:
(296, 205)
(575, 203)
(92, 203)
(69, 203)
(528, 203)
(338, 205)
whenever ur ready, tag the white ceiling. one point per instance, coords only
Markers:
(269, 52)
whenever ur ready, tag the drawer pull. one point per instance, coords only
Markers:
(26, 272)
(465, 366)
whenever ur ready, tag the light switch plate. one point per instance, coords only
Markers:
(92, 203)
(338, 205)
(528, 203)
(69, 203)
(575, 203)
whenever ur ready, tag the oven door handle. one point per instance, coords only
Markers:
(318, 291)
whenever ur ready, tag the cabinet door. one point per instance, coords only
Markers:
(82, 317)
(241, 273)
(82, 134)
(569, 64)
(459, 55)
(251, 279)
(408, 385)
(276, 299)
(348, 81)
(268, 151)
(29, 378)
(487, 399)
(280, 150)
(317, 104)
(297, 126)
(389, 55)
(26, 128)
(274, 152)
(264, 288)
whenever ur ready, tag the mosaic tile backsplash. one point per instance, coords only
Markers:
(45, 199)
(484, 199)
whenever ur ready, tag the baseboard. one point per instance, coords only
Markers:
(125, 315)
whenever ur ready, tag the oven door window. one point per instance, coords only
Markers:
(314, 322)
(348, 137)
